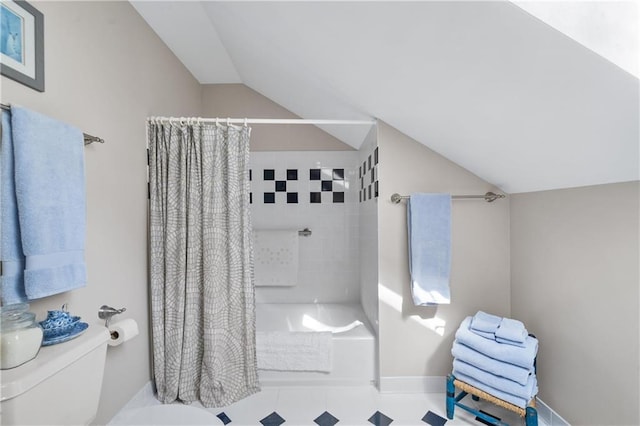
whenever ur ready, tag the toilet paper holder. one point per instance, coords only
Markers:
(107, 312)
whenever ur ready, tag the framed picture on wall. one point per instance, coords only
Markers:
(22, 43)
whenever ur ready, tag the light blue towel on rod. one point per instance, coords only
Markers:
(11, 253)
(429, 235)
(50, 192)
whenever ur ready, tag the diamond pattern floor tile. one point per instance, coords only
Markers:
(326, 419)
(433, 419)
(379, 419)
(331, 406)
(224, 418)
(272, 419)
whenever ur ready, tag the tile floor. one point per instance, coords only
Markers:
(327, 406)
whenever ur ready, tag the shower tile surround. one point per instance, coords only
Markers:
(368, 176)
(316, 190)
(368, 262)
(325, 185)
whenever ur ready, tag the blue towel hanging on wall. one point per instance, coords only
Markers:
(11, 253)
(429, 235)
(49, 191)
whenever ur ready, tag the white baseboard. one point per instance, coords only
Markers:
(548, 415)
(283, 382)
(413, 384)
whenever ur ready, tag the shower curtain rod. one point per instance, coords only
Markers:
(88, 139)
(265, 121)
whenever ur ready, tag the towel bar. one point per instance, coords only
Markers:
(88, 139)
(489, 197)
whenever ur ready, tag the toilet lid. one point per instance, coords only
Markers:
(171, 414)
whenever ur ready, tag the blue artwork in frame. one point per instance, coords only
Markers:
(11, 34)
(22, 43)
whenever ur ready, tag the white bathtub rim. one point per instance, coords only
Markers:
(295, 313)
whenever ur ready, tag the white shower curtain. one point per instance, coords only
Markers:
(202, 294)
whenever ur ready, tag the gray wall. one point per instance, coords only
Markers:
(106, 71)
(574, 282)
(239, 101)
(416, 341)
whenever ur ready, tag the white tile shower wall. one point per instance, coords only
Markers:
(369, 228)
(328, 206)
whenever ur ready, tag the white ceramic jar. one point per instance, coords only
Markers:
(20, 336)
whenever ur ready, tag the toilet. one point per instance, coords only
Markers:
(61, 386)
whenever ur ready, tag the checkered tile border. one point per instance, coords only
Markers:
(368, 174)
(277, 186)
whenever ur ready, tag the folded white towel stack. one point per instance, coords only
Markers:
(501, 366)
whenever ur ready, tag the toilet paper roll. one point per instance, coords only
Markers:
(121, 331)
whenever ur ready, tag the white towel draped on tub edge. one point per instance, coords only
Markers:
(294, 351)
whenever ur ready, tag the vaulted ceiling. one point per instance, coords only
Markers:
(485, 84)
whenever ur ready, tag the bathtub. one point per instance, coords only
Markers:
(353, 342)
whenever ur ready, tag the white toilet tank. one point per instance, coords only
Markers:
(61, 386)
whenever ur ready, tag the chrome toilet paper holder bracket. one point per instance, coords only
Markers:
(107, 312)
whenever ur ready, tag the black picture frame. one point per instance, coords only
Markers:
(27, 65)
